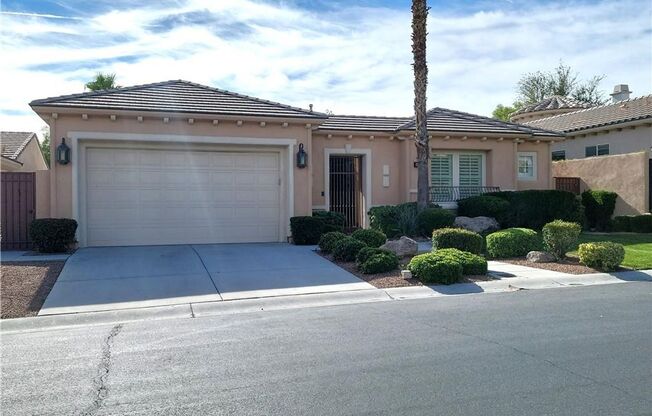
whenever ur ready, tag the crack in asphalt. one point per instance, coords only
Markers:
(101, 390)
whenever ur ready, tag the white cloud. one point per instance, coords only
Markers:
(352, 60)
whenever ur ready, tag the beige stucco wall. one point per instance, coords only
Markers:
(61, 179)
(627, 175)
(32, 158)
(42, 179)
(626, 140)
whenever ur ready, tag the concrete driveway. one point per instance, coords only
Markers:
(108, 278)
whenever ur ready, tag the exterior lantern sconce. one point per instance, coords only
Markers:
(416, 164)
(63, 152)
(302, 157)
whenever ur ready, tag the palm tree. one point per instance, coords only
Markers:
(102, 82)
(419, 18)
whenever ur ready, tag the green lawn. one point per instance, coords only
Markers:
(638, 247)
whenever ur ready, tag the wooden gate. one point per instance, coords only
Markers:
(568, 184)
(345, 189)
(18, 209)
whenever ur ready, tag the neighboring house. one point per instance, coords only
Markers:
(178, 162)
(622, 127)
(547, 107)
(21, 152)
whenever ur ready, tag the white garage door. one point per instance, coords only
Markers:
(136, 197)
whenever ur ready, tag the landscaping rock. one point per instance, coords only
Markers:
(540, 257)
(402, 247)
(477, 224)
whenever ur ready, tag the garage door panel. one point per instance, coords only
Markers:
(148, 196)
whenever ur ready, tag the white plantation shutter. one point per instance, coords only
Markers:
(470, 170)
(441, 170)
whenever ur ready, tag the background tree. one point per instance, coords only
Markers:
(536, 86)
(45, 145)
(420, 67)
(102, 82)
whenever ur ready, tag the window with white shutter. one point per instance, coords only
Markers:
(470, 170)
(441, 170)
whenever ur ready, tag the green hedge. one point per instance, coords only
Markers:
(458, 238)
(379, 262)
(52, 235)
(598, 208)
(306, 230)
(604, 256)
(535, 208)
(633, 223)
(333, 221)
(433, 268)
(372, 238)
(512, 242)
(328, 241)
(432, 219)
(472, 264)
(347, 249)
(485, 206)
(560, 236)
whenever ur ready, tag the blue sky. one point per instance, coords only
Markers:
(345, 56)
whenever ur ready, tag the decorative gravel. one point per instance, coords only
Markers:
(25, 285)
(569, 265)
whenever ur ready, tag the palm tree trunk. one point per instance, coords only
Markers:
(419, 34)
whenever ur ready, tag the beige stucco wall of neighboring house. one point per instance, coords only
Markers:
(627, 175)
(61, 177)
(32, 158)
(543, 172)
(620, 140)
(42, 185)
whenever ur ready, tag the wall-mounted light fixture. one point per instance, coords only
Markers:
(302, 157)
(63, 152)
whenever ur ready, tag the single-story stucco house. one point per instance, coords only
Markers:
(21, 152)
(178, 162)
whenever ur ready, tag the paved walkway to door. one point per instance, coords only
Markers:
(109, 278)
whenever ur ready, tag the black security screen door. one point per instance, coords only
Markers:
(345, 190)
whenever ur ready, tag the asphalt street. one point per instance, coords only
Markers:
(570, 351)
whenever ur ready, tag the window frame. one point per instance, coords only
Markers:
(456, 164)
(535, 172)
(562, 152)
(597, 149)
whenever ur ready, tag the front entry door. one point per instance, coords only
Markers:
(345, 188)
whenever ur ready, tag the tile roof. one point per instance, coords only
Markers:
(556, 102)
(445, 120)
(13, 142)
(177, 96)
(604, 115)
(363, 123)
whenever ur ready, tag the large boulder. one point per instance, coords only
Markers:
(540, 257)
(402, 247)
(477, 224)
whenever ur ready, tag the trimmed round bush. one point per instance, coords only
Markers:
(380, 262)
(327, 241)
(433, 268)
(367, 252)
(560, 236)
(372, 238)
(484, 206)
(306, 230)
(598, 207)
(347, 249)
(604, 255)
(512, 242)
(52, 235)
(432, 219)
(472, 264)
(458, 238)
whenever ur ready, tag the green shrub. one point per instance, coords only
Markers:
(512, 242)
(372, 238)
(458, 238)
(381, 262)
(327, 241)
(598, 208)
(395, 220)
(434, 218)
(472, 264)
(535, 208)
(52, 235)
(484, 206)
(604, 256)
(433, 268)
(633, 223)
(347, 249)
(306, 230)
(406, 223)
(366, 252)
(333, 221)
(560, 236)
